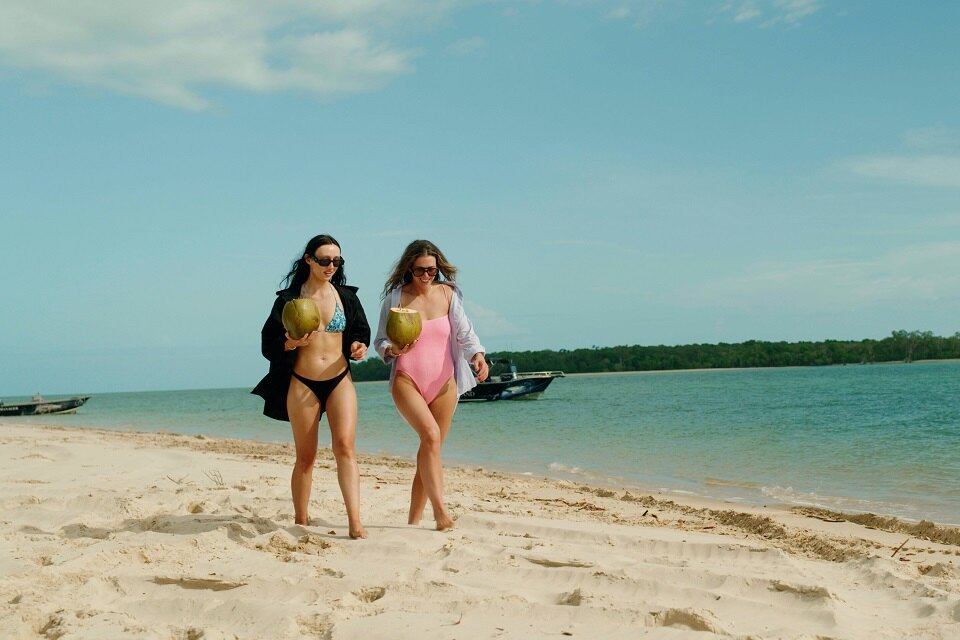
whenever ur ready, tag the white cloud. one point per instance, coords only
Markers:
(468, 46)
(170, 51)
(919, 273)
(772, 12)
(932, 161)
(925, 170)
(643, 12)
(942, 221)
(746, 12)
(935, 137)
(792, 11)
(490, 323)
(620, 12)
(173, 51)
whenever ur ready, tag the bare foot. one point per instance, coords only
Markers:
(358, 532)
(444, 523)
(414, 516)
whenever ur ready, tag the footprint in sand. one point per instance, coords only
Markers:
(547, 562)
(686, 619)
(199, 583)
(283, 546)
(369, 594)
(803, 591)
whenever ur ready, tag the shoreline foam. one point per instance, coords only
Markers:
(717, 489)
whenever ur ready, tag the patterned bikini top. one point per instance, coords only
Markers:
(338, 322)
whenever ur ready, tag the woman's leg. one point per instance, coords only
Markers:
(342, 416)
(304, 410)
(442, 409)
(428, 481)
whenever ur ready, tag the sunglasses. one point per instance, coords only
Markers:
(326, 262)
(419, 271)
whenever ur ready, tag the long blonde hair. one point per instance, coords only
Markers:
(401, 273)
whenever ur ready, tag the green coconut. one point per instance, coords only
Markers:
(300, 317)
(403, 326)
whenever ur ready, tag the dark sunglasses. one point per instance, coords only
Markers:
(419, 271)
(326, 262)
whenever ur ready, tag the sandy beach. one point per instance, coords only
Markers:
(137, 535)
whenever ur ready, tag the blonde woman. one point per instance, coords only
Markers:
(428, 376)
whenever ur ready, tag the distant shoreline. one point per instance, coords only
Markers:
(801, 366)
(709, 369)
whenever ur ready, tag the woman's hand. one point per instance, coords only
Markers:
(479, 363)
(393, 352)
(292, 344)
(358, 351)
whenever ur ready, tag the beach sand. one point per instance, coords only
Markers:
(138, 535)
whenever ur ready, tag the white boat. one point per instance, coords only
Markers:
(40, 406)
(512, 385)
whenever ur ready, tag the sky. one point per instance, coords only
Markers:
(602, 173)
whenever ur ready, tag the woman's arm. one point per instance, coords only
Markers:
(273, 336)
(466, 336)
(381, 343)
(357, 336)
(359, 327)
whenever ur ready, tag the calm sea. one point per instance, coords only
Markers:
(878, 438)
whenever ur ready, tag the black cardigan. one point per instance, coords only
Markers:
(274, 386)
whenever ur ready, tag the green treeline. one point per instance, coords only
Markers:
(904, 346)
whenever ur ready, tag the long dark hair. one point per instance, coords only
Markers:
(401, 274)
(300, 270)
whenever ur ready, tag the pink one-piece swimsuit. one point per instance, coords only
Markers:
(429, 362)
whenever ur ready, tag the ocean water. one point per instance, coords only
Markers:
(883, 439)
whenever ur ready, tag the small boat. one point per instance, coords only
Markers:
(40, 406)
(511, 385)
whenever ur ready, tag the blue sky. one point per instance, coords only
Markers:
(603, 173)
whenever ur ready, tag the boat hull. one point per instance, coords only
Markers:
(43, 407)
(519, 389)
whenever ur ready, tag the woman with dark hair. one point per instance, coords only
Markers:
(428, 376)
(311, 375)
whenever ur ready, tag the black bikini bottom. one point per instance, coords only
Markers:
(322, 388)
